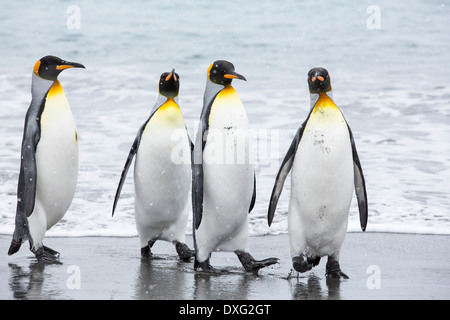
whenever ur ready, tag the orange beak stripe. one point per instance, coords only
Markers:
(230, 76)
(63, 67)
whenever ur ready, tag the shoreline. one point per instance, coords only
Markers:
(9, 234)
(276, 234)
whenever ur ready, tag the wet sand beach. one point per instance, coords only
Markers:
(380, 266)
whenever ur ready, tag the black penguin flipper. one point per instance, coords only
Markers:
(252, 202)
(285, 167)
(131, 154)
(197, 194)
(191, 144)
(197, 185)
(197, 162)
(197, 178)
(28, 172)
(360, 185)
(26, 188)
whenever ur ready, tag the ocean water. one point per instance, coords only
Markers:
(389, 65)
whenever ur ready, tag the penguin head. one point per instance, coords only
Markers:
(169, 84)
(319, 80)
(49, 67)
(222, 72)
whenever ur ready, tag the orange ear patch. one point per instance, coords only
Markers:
(36, 67)
(209, 69)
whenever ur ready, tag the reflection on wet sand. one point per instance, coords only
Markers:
(225, 285)
(166, 278)
(312, 289)
(162, 278)
(110, 269)
(27, 284)
(157, 279)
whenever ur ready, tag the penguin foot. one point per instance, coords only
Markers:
(333, 270)
(205, 266)
(47, 255)
(146, 252)
(302, 263)
(252, 265)
(183, 251)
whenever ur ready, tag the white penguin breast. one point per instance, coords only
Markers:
(56, 156)
(227, 163)
(322, 176)
(162, 168)
(228, 169)
(228, 132)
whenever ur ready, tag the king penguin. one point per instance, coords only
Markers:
(223, 189)
(162, 172)
(325, 168)
(49, 160)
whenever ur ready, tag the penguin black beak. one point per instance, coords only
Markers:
(68, 65)
(234, 75)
